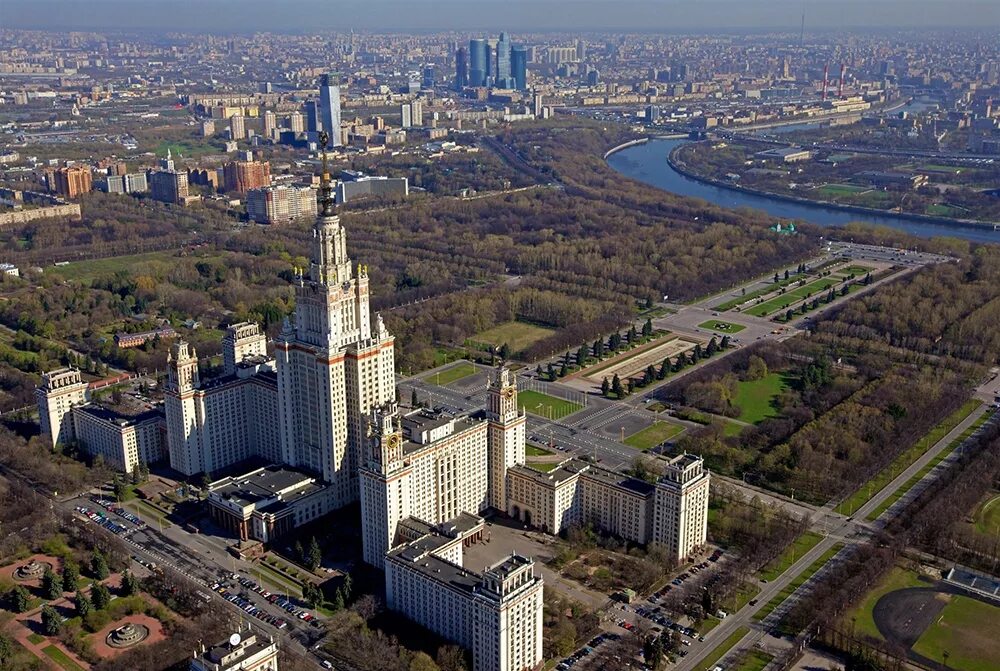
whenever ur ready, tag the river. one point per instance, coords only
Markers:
(648, 163)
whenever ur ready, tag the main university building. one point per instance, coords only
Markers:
(322, 411)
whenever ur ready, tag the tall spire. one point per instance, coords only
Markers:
(325, 193)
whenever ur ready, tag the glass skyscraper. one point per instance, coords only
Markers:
(479, 60)
(329, 106)
(519, 66)
(503, 78)
(461, 68)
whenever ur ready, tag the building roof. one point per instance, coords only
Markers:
(123, 415)
(273, 488)
(417, 556)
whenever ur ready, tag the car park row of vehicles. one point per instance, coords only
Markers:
(117, 510)
(98, 517)
(586, 650)
(243, 602)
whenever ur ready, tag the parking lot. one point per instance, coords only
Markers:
(650, 616)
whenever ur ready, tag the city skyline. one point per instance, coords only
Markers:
(309, 16)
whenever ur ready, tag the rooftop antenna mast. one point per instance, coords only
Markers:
(325, 195)
(802, 31)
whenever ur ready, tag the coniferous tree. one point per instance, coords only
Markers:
(605, 387)
(99, 595)
(83, 605)
(51, 622)
(51, 585)
(99, 566)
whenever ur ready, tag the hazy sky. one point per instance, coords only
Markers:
(492, 15)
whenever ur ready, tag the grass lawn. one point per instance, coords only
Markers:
(60, 658)
(730, 429)
(653, 435)
(754, 398)
(721, 326)
(789, 298)
(544, 467)
(969, 630)
(36, 638)
(535, 451)
(876, 484)
(840, 189)
(449, 375)
(720, 650)
(517, 335)
(87, 271)
(799, 547)
(757, 293)
(799, 580)
(544, 405)
(186, 148)
(148, 513)
(755, 661)
(285, 585)
(857, 271)
(861, 616)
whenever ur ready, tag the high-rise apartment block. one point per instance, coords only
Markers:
(169, 186)
(241, 176)
(237, 127)
(270, 124)
(411, 114)
(280, 204)
(70, 181)
(296, 122)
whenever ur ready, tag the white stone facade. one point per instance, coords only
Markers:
(59, 391)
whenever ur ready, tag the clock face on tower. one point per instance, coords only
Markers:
(392, 441)
(508, 392)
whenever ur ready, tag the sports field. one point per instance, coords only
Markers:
(653, 435)
(544, 405)
(813, 289)
(449, 375)
(988, 517)
(754, 399)
(834, 190)
(721, 327)
(862, 618)
(86, 271)
(517, 335)
(969, 630)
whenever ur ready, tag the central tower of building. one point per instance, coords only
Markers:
(333, 365)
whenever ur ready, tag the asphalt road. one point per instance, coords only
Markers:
(846, 530)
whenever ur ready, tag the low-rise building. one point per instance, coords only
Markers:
(268, 502)
(784, 154)
(897, 180)
(246, 650)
